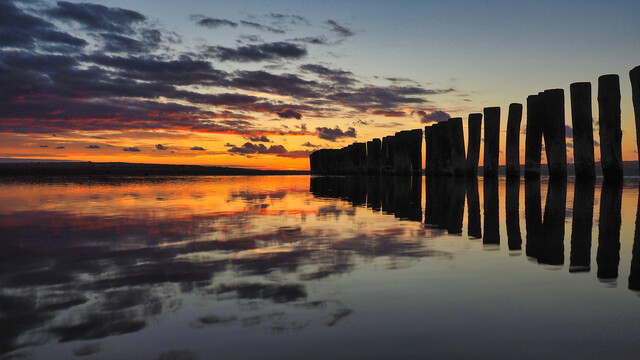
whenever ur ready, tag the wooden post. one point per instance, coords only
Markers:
(429, 150)
(374, 148)
(610, 131)
(513, 140)
(582, 123)
(533, 140)
(491, 141)
(554, 133)
(634, 75)
(416, 151)
(474, 125)
(456, 135)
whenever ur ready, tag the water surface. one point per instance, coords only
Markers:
(318, 267)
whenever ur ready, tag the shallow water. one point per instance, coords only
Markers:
(310, 267)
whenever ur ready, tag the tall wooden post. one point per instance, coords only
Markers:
(610, 130)
(491, 141)
(582, 123)
(554, 133)
(533, 140)
(473, 150)
(513, 140)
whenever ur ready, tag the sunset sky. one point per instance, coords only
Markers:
(262, 84)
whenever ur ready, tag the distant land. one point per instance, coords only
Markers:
(64, 168)
(81, 168)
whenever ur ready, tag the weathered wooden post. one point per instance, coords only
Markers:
(634, 75)
(554, 133)
(473, 151)
(428, 150)
(491, 141)
(474, 229)
(512, 167)
(512, 207)
(533, 140)
(313, 162)
(456, 134)
(582, 223)
(416, 151)
(373, 156)
(608, 255)
(443, 149)
(491, 234)
(388, 145)
(582, 123)
(610, 131)
(360, 158)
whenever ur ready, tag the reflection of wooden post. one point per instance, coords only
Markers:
(491, 141)
(373, 156)
(608, 257)
(554, 133)
(582, 224)
(512, 207)
(533, 216)
(610, 131)
(634, 273)
(533, 140)
(456, 135)
(456, 207)
(553, 224)
(429, 150)
(513, 140)
(416, 151)
(473, 151)
(491, 211)
(582, 122)
(473, 201)
(634, 75)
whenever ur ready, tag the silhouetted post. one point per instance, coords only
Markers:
(344, 161)
(512, 207)
(582, 122)
(456, 135)
(388, 146)
(416, 151)
(610, 131)
(634, 272)
(634, 75)
(582, 224)
(513, 141)
(374, 148)
(491, 212)
(473, 201)
(554, 133)
(608, 257)
(429, 150)
(473, 150)
(552, 240)
(533, 139)
(456, 207)
(533, 216)
(360, 158)
(491, 142)
(314, 162)
(443, 148)
(402, 155)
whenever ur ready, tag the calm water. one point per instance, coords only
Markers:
(317, 268)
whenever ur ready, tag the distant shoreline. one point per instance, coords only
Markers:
(55, 169)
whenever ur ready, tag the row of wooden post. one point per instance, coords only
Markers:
(445, 146)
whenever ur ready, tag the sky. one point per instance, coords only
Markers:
(261, 84)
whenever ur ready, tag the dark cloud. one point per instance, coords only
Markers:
(568, 131)
(334, 134)
(364, 98)
(197, 148)
(289, 114)
(434, 116)
(59, 147)
(314, 40)
(249, 38)
(213, 23)
(260, 52)
(278, 18)
(389, 112)
(250, 148)
(336, 76)
(308, 144)
(93, 147)
(123, 44)
(259, 139)
(161, 147)
(280, 84)
(44, 146)
(131, 149)
(340, 29)
(97, 17)
(262, 27)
